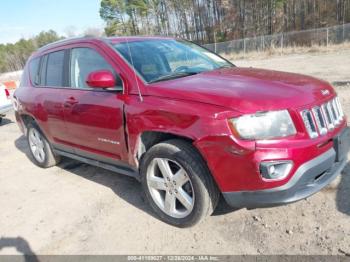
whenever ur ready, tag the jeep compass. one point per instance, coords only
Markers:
(185, 122)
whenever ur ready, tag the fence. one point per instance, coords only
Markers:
(314, 37)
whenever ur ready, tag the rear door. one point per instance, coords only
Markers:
(94, 117)
(50, 86)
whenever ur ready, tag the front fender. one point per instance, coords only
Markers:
(188, 119)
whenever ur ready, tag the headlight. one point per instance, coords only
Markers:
(264, 125)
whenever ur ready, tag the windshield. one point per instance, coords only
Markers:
(159, 60)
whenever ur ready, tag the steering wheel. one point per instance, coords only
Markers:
(181, 69)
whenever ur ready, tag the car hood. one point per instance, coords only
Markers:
(246, 90)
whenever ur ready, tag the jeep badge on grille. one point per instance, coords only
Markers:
(325, 92)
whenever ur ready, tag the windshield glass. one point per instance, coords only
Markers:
(164, 59)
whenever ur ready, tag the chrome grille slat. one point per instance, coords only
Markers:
(335, 116)
(339, 107)
(336, 109)
(309, 123)
(329, 110)
(327, 117)
(321, 119)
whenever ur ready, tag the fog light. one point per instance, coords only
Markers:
(276, 169)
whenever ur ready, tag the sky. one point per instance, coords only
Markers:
(26, 18)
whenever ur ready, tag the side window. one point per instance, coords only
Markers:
(25, 81)
(83, 62)
(34, 70)
(42, 73)
(54, 70)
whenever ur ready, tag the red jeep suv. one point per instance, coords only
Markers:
(185, 122)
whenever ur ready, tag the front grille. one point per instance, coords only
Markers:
(321, 119)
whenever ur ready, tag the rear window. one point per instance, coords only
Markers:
(54, 71)
(34, 71)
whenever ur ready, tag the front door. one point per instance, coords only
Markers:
(93, 117)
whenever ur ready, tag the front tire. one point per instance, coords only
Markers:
(178, 184)
(40, 148)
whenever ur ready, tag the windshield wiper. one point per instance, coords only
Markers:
(173, 76)
(226, 66)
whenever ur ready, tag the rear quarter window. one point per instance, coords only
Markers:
(25, 77)
(30, 73)
(34, 71)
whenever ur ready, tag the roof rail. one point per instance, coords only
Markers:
(62, 41)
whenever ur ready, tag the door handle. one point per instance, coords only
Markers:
(70, 102)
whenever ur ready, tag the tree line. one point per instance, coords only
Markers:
(202, 21)
(14, 56)
(207, 21)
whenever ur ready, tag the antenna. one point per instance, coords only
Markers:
(134, 70)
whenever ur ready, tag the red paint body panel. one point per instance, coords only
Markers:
(195, 107)
(245, 90)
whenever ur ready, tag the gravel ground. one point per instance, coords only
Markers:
(75, 208)
(331, 66)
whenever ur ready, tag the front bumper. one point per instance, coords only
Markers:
(309, 178)
(4, 109)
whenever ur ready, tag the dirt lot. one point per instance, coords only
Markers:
(331, 66)
(75, 208)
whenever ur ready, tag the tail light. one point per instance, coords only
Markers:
(7, 93)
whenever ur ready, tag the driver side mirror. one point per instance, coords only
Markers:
(102, 79)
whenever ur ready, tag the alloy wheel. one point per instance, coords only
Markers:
(36, 144)
(170, 187)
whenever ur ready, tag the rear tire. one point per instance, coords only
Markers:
(40, 148)
(178, 184)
